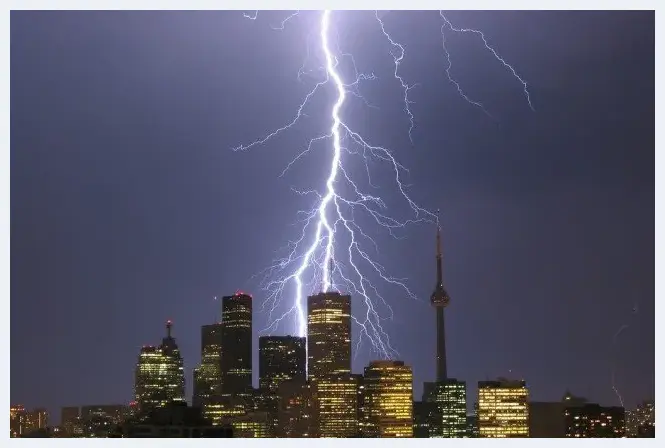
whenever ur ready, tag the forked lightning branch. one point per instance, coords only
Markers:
(319, 254)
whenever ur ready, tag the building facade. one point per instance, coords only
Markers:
(220, 409)
(337, 398)
(388, 400)
(298, 413)
(237, 344)
(208, 375)
(472, 426)
(448, 413)
(159, 377)
(503, 408)
(251, 425)
(281, 358)
(422, 416)
(328, 335)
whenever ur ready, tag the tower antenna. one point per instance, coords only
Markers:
(330, 274)
(440, 299)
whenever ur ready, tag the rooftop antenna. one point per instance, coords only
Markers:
(330, 270)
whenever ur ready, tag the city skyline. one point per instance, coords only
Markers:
(124, 220)
(329, 326)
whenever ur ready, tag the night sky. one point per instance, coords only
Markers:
(129, 206)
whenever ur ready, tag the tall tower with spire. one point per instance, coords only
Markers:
(160, 377)
(440, 299)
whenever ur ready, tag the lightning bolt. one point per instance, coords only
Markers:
(398, 57)
(480, 34)
(331, 241)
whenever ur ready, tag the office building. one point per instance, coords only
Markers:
(472, 426)
(361, 412)
(160, 377)
(422, 416)
(503, 409)
(328, 335)
(388, 399)
(208, 375)
(237, 344)
(595, 421)
(219, 410)
(337, 397)
(298, 413)
(448, 414)
(251, 425)
(264, 401)
(281, 358)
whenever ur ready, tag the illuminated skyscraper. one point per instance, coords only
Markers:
(281, 358)
(388, 399)
(160, 376)
(328, 335)
(208, 376)
(503, 408)
(361, 412)
(172, 368)
(448, 412)
(237, 344)
(337, 398)
(440, 299)
(595, 421)
(149, 391)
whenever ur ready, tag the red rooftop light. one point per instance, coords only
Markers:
(243, 293)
